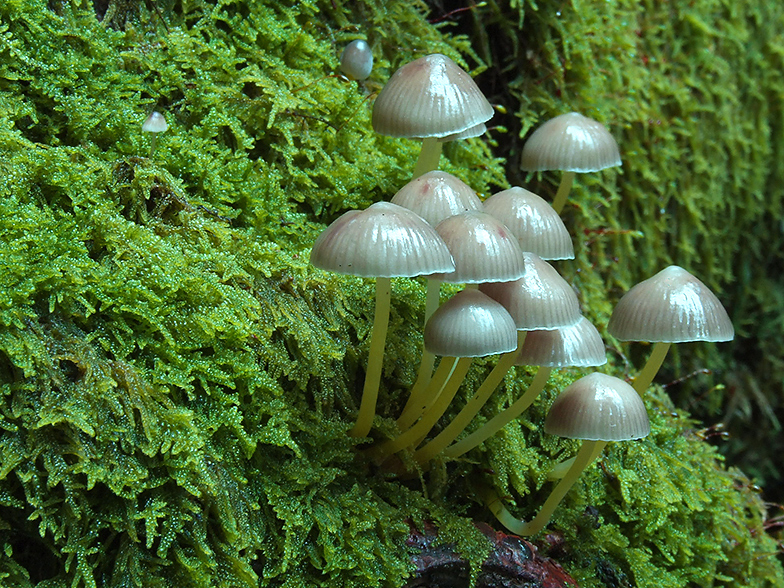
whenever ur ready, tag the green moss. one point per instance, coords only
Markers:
(176, 383)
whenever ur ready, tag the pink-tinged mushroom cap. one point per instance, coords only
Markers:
(436, 196)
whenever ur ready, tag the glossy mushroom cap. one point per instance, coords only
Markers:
(470, 324)
(671, 307)
(578, 345)
(356, 61)
(598, 407)
(429, 97)
(540, 299)
(538, 228)
(154, 123)
(483, 248)
(436, 196)
(570, 142)
(384, 240)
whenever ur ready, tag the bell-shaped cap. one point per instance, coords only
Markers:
(383, 241)
(470, 324)
(537, 226)
(436, 196)
(429, 97)
(570, 142)
(598, 407)
(482, 247)
(540, 300)
(356, 61)
(578, 345)
(155, 123)
(671, 307)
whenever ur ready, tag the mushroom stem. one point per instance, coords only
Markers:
(428, 156)
(153, 143)
(563, 191)
(434, 412)
(651, 368)
(503, 418)
(559, 470)
(473, 406)
(378, 336)
(415, 398)
(583, 458)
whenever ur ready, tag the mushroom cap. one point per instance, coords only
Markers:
(429, 97)
(483, 249)
(436, 196)
(671, 307)
(384, 240)
(598, 407)
(474, 131)
(540, 300)
(537, 226)
(356, 61)
(154, 123)
(470, 324)
(570, 142)
(578, 345)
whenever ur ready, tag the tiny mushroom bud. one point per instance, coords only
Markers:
(155, 123)
(356, 61)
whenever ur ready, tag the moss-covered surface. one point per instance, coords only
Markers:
(177, 383)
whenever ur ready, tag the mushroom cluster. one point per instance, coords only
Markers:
(514, 304)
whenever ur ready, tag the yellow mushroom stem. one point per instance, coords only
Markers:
(558, 471)
(651, 368)
(449, 365)
(428, 156)
(378, 336)
(563, 191)
(503, 418)
(415, 402)
(473, 406)
(581, 461)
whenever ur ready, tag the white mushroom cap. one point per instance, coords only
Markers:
(598, 407)
(540, 300)
(436, 196)
(470, 324)
(570, 142)
(384, 240)
(429, 97)
(671, 307)
(356, 61)
(482, 247)
(537, 226)
(154, 123)
(578, 345)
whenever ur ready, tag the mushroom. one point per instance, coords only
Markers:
(671, 307)
(356, 61)
(155, 123)
(382, 241)
(596, 409)
(429, 98)
(572, 143)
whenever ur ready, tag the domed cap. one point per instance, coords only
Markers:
(570, 142)
(429, 97)
(356, 61)
(470, 324)
(671, 307)
(155, 123)
(578, 345)
(537, 226)
(436, 196)
(384, 240)
(540, 299)
(483, 249)
(598, 408)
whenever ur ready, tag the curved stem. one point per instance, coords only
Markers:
(581, 461)
(563, 191)
(432, 414)
(561, 469)
(473, 406)
(378, 336)
(413, 406)
(428, 156)
(503, 418)
(651, 368)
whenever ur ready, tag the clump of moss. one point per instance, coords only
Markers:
(176, 384)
